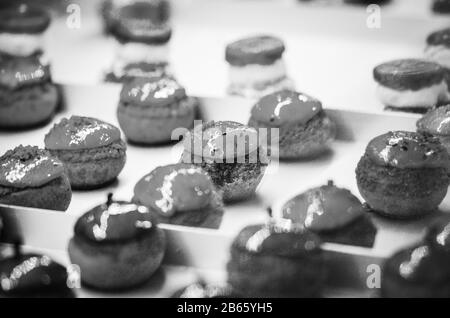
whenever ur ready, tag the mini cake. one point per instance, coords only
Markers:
(438, 49)
(21, 30)
(257, 66)
(33, 276)
(202, 290)
(411, 84)
(151, 109)
(91, 150)
(441, 6)
(276, 260)
(32, 177)
(304, 128)
(27, 95)
(117, 245)
(403, 174)
(142, 37)
(334, 214)
(181, 194)
(230, 153)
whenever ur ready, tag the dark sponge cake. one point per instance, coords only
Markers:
(24, 19)
(276, 260)
(261, 49)
(441, 6)
(32, 177)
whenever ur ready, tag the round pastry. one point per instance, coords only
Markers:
(151, 109)
(117, 245)
(33, 276)
(334, 214)
(256, 66)
(276, 260)
(21, 30)
(403, 174)
(304, 128)
(27, 95)
(441, 6)
(181, 194)
(438, 50)
(202, 290)
(91, 150)
(230, 153)
(32, 177)
(411, 84)
(143, 34)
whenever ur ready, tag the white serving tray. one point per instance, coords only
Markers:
(207, 250)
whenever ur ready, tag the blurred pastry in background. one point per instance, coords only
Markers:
(276, 259)
(117, 245)
(22, 29)
(140, 39)
(256, 66)
(32, 177)
(304, 130)
(438, 50)
(135, 70)
(150, 109)
(181, 194)
(91, 150)
(411, 85)
(231, 154)
(334, 214)
(403, 174)
(28, 98)
(441, 6)
(203, 290)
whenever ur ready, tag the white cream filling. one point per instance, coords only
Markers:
(21, 44)
(425, 97)
(140, 52)
(439, 54)
(254, 73)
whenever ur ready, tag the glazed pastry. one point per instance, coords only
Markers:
(276, 260)
(117, 245)
(91, 150)
(257, 66)
(441, 6)
(21, 30)
(151, 109)
(202, 290)
(230, 153)
(32, 177)
(438, 50)
(411, 84)
(181, 194)
(27, 95)
(334, 214)
(304, 128)
(142, 37)
(403, 174)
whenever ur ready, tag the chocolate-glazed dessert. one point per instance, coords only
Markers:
(403, 174)
(231, 154)
(276, 259)
(28, 97)
(32, 177)
(117, 245)
(91, 150)
(181, 194)
(334, 214)
(304, 128)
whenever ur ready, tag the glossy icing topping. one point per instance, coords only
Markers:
(441, 37)
(152, 92)
(32, 275)
(286, 106)
(323, 209)
(436, 121)
(81, 133)
(263, 50)
(23, 71)
(27, 166)
(279, 237)
(200, 290)
(222, 140)
(174, 188)
(405, 149)
(24, 19)
(438, 235)
(115, 221)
